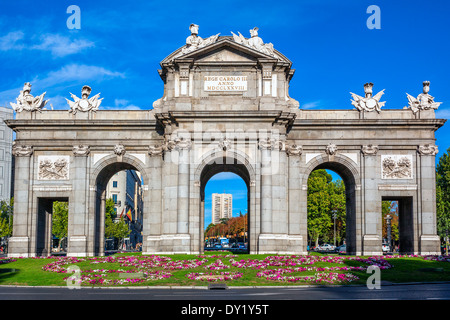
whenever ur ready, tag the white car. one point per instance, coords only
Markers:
(326, 247)
(385, 248)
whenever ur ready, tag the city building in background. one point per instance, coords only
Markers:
(6, 159)
(222, 207)
(125, 188)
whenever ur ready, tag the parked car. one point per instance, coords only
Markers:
(241, 245)
(342, 249)
(385, 247)
(326, 247)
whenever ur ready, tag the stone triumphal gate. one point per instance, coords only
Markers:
(225, 107)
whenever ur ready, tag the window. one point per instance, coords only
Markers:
(114, 184)
(114, 197)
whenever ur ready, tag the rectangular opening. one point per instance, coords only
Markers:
(401, 223)
(45, 239)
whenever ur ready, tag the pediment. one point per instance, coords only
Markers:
(224, 50)
(226, 54)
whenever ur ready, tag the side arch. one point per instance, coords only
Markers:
(351, 177)
(99, 177)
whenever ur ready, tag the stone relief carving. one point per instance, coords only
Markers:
(21, 151)
(294, 150)
(81, 150)
(155, 150)
(224, 144)
(331, 149)
(369, 150)
(119, 150)
(396, 167)
(84, 104)
(255, 42)
(369, 102)
(194, 41)
(428, 149)
(178, 143)
(53, 168)
(271, 144)
(424, 101)
(25, 101)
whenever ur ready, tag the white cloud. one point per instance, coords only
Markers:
(77, 73)
(443, 114)
(311, 105)
(61, 46)
(59, 80)
(10, 41)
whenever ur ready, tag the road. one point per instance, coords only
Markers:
(435, 291)
(195, 303)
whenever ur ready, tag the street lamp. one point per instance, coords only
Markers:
(388, 224)
(334, 215)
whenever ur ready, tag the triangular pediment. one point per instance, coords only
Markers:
(226, 54)
(224, 50)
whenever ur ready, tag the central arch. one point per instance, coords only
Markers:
(226, 161)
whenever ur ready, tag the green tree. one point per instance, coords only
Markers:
(115, 228)
(443, 194)
(319, 218)
(6, 217)
(121, 230)
(60, 216)
(110, 215)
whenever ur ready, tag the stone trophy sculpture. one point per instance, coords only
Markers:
(84, 104)
(25, 101)
(424, 101)
(369, 102)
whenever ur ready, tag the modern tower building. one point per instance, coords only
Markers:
(222, 206)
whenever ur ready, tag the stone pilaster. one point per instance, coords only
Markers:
(78, 204)
(21, 244)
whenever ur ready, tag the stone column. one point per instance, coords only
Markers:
(152, 219)
(20, 244)
(266, 186)
(183, 186)
(297, 232)
(78, 203)
(371, 233)
(429, 240)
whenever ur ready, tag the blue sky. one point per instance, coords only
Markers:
(120, 44)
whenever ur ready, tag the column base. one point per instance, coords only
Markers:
(430, 245)
(281, 244)
(371, 245)
(18, 247)
(77, 246)
(168, 244)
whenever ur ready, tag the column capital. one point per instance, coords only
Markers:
(81, 150)
(155, 150)
(427, 150)
(369, 150)
(22, 150)
(294, 150)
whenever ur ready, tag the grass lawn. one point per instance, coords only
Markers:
(232, 269)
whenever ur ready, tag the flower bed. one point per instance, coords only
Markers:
(314, 269)
(222, 276)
